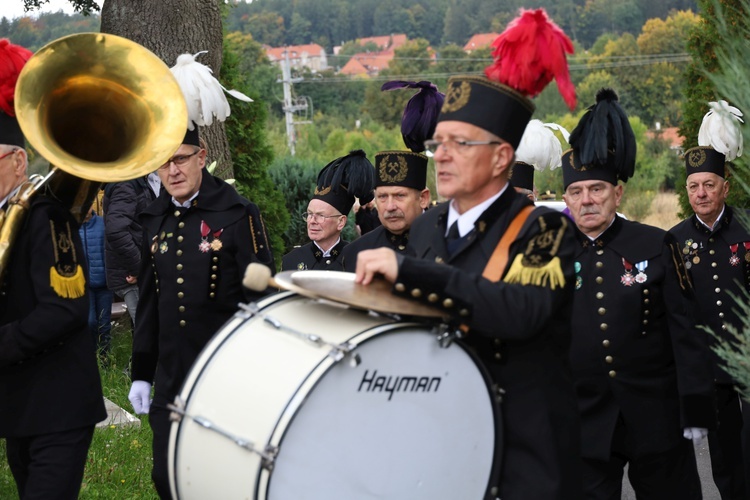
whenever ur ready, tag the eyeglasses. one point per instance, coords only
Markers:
(311, 217)
(8, 154)
(179, 160)
(432, 146)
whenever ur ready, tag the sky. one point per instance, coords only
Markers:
(14, 8)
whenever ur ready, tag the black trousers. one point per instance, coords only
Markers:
(659, 476)
(49, 466)
(729, 445)
(158, 417)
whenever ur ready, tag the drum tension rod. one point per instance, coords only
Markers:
(446, 334)
(338, 351)
(268, 454)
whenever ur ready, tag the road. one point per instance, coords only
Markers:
(704, 469)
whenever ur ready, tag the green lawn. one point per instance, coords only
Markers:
(119, 463)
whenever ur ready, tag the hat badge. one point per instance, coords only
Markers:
(696, 157)
(395, 169)
(457, 97)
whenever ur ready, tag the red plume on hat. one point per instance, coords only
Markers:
(12, 59)
(530, 53)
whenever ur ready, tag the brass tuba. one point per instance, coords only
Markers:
(99, 108)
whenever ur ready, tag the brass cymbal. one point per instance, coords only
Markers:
(340, 287)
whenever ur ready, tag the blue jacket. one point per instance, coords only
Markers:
(92, 236)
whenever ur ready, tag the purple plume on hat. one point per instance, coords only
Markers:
(421, 112)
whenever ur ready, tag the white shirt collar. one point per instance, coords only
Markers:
(467, 219)
(154, 183)
(186, 204)
(327, 253)
(15, 190)
(711, 228)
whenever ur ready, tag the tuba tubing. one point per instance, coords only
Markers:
(100, 108)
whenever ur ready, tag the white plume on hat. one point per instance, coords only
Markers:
(204, 95)
(540, 147)
(720, 130)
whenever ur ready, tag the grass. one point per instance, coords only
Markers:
(119, 461)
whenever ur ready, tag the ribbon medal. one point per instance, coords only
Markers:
(734, 260)
(627, 279)
(579, 279)
(215, 244)
(641, 276)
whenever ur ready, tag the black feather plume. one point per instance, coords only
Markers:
(352, 173)
(420, 114)
(604, 137)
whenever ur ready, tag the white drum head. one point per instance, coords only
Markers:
(412, 421)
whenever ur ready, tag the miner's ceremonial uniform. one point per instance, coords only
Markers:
(190, 285)
(310, 256)
(719, 264)
(49, 380)
(716, 250)
(638, 359)
(378, 237)
(518, 327)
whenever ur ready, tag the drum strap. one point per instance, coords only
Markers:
(499, 258)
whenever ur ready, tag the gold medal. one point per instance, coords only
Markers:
(216, 245)
(696, 260)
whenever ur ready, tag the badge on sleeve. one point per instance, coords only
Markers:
(539, 264)
(66, 274)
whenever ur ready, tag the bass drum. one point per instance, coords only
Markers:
(266, 414)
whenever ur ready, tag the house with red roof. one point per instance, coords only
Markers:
(480, 41)
(311, 56)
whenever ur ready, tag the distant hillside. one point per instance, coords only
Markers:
(35, 32)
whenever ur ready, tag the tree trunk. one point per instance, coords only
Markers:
(169, 28)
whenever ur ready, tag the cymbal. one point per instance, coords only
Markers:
(339, 286)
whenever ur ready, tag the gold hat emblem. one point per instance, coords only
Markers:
(696, 157)
(322, 192)
(393, 169)
(457, 97)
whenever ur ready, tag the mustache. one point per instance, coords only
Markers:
(393, 213)
(588, 211)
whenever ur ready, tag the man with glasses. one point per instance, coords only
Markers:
(639, 362)
(199, 236)
(502, 270)
(716, 248)
(49, 380)
(327, 212)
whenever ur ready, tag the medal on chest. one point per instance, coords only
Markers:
(690, 250)
(627, 278)
(215, 244)
(641, 276)
(734, 260)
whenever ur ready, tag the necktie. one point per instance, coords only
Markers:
(453, 239)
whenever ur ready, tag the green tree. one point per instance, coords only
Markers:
(299, 32)
(267, 28)
(252, 155)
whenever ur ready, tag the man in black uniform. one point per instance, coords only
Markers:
(401, 196)
(339, 183)
(49, 380)
(639, 362)
(716, 249)
(504, 269)
(199, 237)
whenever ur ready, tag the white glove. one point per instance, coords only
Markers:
(695, 433)
(140, 396)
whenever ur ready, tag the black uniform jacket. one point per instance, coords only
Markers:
(191, 278)
(49, 379)
(719, 263)
(378, 237)
(309, 256)
(636, 350)
(519, 328)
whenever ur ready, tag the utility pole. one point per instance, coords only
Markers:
(289, 107)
